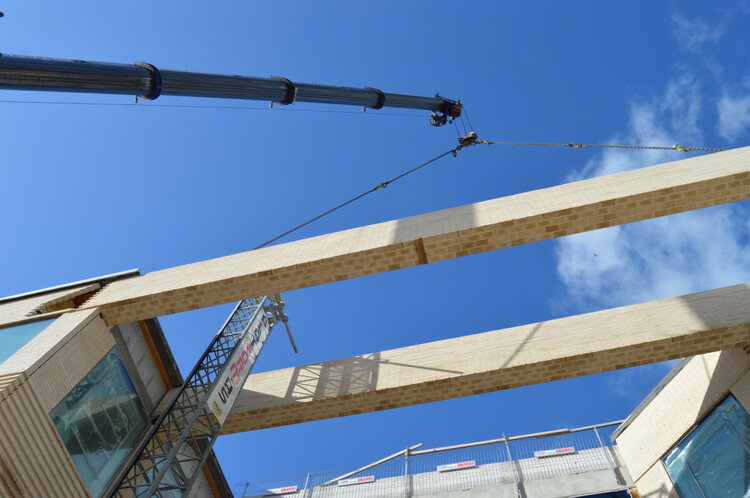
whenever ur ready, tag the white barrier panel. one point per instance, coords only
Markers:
(356, 480)
(455, 466)
(558, 451)
(280, 491)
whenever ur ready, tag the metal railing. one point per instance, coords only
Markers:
(504, 461)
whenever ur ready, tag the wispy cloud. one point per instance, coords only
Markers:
(657, 258)
(692, 34)
(734, 115)
(679, 107)
(672, 255)
(666, 256)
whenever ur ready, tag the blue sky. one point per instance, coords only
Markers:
(95, 189)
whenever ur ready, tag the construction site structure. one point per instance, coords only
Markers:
(172, 454)
(86, 370)
(87, 377)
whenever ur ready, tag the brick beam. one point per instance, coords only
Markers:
(591, 204)
(503, 359)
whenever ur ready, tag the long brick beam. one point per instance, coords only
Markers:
(636, 195)
(503, 359)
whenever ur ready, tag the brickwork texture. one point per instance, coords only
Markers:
(504, 359)
(627, 197)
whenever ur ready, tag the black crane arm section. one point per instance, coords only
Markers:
(146, 80)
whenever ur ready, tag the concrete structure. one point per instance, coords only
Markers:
(95, 363)
(576, 462)
(496, 480)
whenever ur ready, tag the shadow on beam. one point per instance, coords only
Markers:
(504, 359)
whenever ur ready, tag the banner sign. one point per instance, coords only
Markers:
(558, 451)
(356, 480)
(455, 466)
(227, 387)
(280, 491)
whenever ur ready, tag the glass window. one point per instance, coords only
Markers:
(714, 459)
(100, 421)
(17, 336)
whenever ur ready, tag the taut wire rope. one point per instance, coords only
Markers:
(468, 140)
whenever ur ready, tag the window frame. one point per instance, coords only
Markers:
(726, 423)
(112, 381)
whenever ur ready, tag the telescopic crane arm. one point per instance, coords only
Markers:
(18, 72)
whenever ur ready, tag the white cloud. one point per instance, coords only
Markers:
(666, 256)
(734, 116)
(672, 255)
(679, 107)
(657, 258)
(692, 34)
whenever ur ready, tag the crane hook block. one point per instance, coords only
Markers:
(467, 138)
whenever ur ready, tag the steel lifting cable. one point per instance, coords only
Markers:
(576, 145)
(453, 151)
(189, 106)
(470, 139)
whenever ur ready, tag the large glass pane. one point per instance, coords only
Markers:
(713, 461)
(100, 421)
(17, 336)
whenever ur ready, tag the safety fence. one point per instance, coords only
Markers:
(415, 472)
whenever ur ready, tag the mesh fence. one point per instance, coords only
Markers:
(383, 481)
(453, 470)
(559, 455)
(606, 434)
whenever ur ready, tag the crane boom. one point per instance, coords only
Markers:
(19, 72)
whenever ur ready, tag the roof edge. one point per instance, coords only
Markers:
(102, 279)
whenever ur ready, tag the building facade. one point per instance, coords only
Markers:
(77, 397)
(691, 436)
(84, 367)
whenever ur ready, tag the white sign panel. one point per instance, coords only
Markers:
(280, 491)
(556, 452)
(228, 386)
(455, 466)
(356, 480)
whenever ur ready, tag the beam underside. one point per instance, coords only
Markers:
(521, 356)
(592, 204)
